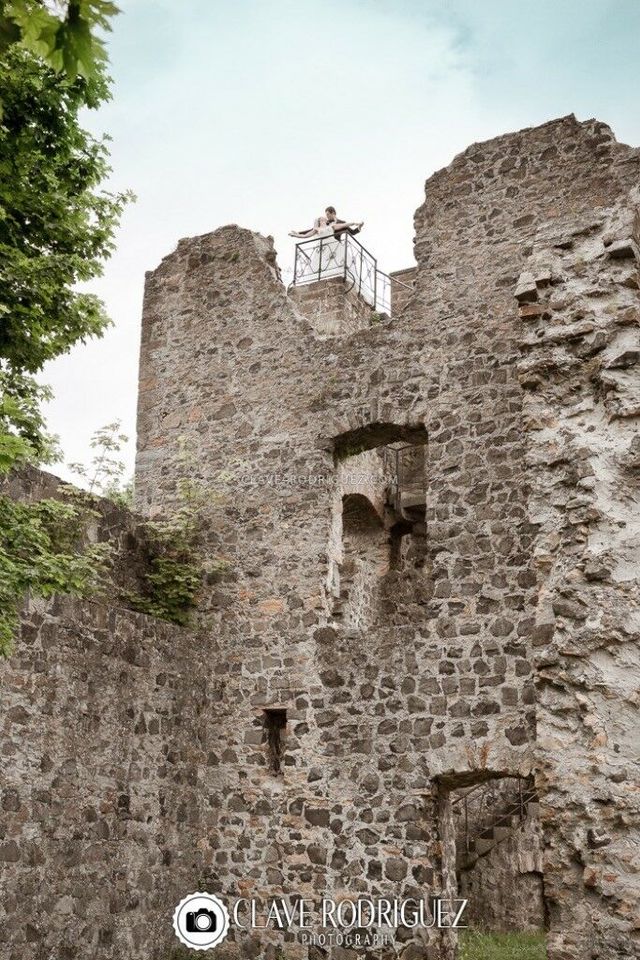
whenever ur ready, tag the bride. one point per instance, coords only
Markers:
(328, 226)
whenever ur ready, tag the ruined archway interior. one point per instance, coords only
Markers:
(493, 857)
(379, 521)
(365, 560)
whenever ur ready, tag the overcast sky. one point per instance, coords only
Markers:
(262, 112)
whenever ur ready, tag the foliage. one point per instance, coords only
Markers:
(56, 227)
(104, 474)
(475, 945)
(41, 543)
(64, 34)
(22, 433)
(176, 565)
(176, 569)
(174, 578)
(41, 551)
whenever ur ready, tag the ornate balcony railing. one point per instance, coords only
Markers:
(323, 257)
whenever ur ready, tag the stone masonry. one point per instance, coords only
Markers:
(479, 622)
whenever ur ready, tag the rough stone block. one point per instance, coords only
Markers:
(624, 249)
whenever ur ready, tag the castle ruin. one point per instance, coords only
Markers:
(417, 672)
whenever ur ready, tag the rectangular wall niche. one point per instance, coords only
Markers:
(275, 722)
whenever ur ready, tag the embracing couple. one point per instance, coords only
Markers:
(328, 226)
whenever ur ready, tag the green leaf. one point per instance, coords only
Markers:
(37, 27)
(41, 551)
(12, 450)
(56, 229)
(69, 44)
(9, 32)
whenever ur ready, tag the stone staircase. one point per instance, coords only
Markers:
(482, 822)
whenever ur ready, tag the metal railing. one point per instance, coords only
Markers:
(478, 804)
(405, 465)
(343, 256)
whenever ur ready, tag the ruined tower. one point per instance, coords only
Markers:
(487, 630)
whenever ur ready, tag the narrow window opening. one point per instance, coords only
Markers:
(275, 722)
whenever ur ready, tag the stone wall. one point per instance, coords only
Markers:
(402, 283)
(332, 306)
(105, 748)
(581, 376)
(373, 714)
(105, 719)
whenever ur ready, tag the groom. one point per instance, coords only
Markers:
(328, 226)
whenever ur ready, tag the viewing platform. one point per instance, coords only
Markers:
(340, 288)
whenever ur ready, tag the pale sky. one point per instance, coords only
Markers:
(263, 112)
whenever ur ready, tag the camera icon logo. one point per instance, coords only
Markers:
(201, 921)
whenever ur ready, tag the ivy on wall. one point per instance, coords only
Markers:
(171, 586)
(176, 564)
(41, 552)
(44, 549)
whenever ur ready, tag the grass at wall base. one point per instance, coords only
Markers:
(475, 945)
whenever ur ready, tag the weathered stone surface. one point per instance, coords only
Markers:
(526, 289)
(587, 510)
(624, 249)
(104, 812)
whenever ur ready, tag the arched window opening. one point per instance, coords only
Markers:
(379, 516)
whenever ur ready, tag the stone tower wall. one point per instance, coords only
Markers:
(581, 378)
(437, 688)
(332, 306)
